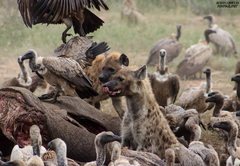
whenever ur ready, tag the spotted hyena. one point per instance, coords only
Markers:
(143, 123)
(101, 71)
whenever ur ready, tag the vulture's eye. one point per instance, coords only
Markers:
(38, 66)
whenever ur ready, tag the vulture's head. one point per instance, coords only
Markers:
(207, 71)
(179, 27)
(215, 97)
(162, 53)
(226, 125)
(208, 17)
(106, 137)
(29, 55)
(57, 145)
(236, 78)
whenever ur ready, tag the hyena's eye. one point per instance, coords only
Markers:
(111, 70)
(120, 79)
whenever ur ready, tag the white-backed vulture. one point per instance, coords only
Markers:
(60, 148)
(165, 85)
(194, 98)
(236, 78)
(26, 153)
(222, 40)
(196, 57)
(24, 79)
(208, 154)
(109, 151)
(65, 74)
(170, 44)
(71, 12)
(187, 122)
(232, 129)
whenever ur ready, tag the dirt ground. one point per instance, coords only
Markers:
(220, 80)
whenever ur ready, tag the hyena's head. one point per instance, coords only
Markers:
(111, 65)
(126, 81)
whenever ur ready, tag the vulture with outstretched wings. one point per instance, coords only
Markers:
(71, 12)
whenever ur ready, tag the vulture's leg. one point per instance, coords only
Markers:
(64, 35)
(47, 96)
(69, 23)
(54, 100)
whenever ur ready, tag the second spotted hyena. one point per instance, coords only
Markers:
(101, 71)
(143, 123)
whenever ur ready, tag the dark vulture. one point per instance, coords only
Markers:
(64, 74)
(222, 40)
(170, 44)
(166, 86)
(196, 57)
(71, 12)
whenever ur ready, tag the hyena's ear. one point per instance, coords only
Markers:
(141, 73)
(124, 60)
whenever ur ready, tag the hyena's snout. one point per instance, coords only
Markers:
(104, 77)
(109, 88)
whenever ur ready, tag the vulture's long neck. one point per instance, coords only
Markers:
(101, 154)
(61, 153)
(36, 145)
(218, 107)
(178, 33)
(208, 82)
(238, 90)
(25, 74)
(210, 24)
(162, 64)
(232, 141)
(33, 61)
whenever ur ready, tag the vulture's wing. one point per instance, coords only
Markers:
(173, 50)
(159, 45)
(175, 86)
(195, 62)
(70, 70)
(25, 7)
(50, 11)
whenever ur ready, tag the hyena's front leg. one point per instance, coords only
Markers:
(127, 136)
(118, 105)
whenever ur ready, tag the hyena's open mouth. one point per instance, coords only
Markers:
(111, 93)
